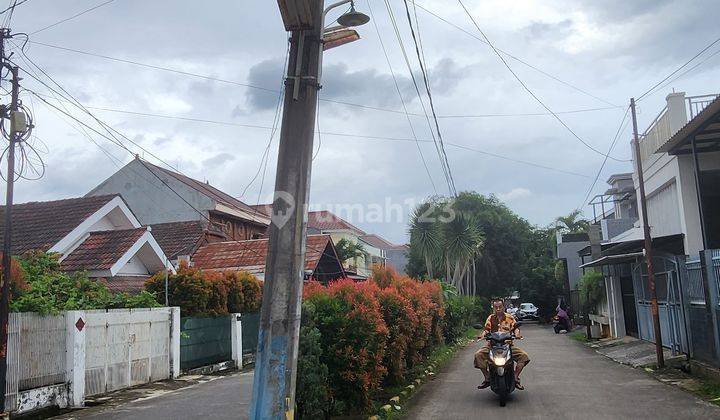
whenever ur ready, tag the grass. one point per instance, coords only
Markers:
(578, 336)
(440, 356)
(710, 391)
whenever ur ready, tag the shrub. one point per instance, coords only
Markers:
(353, 337)
(591, 289)
(50, 291)
(313, 392)
(383, 276)
(244, 292)
(218, 301)
(400, 319)
(188, 289)
(423, 307)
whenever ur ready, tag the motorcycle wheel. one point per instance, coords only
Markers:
(503, 400)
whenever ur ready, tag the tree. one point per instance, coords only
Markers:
(572, 223)
(348, 250)
(448, 239)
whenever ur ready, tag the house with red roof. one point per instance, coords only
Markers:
(377, 250)
(97, 234)
(321, 260)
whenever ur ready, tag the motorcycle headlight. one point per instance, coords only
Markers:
(499, 360)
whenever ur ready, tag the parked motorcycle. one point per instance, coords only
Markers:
(502, 365)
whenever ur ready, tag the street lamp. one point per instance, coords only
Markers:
(277, 352)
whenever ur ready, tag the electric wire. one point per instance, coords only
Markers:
(60, 22)
(417, 91)
(529, 91)
(678, 69)
(326, 100)
(623, 125)
(518, 59)
(400, 96)
(420, 58)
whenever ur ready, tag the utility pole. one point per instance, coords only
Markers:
(276, 359)
(648, 243)
(7, 238)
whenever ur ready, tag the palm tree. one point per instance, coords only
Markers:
(348, 250)
(452, 244)
(425, 235)
(572, 223)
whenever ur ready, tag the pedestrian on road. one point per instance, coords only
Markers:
(563, 320)
(501, 321)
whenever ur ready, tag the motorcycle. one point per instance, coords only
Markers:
(502, 365)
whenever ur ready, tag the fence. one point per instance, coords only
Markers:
(126, 347)
(59, 360)
(36, 354)
(204, 341)
(701, 283)
(250, 331)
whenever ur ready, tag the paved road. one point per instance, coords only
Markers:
(227, 397)
(565, 380)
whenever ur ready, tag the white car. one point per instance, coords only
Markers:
(527, 311)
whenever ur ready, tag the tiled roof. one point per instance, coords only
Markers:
(41, 224)
(324, 220)
(182, 238)
(126, 284)
(101, 249)
(320, 220)
(377, 241)
(206, 189)
(251, 254)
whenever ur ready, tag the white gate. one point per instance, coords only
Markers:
(126, 347)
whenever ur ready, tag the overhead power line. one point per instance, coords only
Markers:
(514, 57)
(420, 58)
(275, 91)
(678, 69)
(402, 100)
(60, 22)
(529, 91)
(605, 159)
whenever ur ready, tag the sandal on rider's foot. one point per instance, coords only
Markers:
(484, 385)
(518, 385)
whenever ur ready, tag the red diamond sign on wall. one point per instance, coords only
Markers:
(80, 324)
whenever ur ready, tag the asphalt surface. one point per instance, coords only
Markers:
(227, 397)
(564, 380)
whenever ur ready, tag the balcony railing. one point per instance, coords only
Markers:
(657, 133)
(697, 103)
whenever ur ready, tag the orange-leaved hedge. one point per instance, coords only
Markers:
(208, 293)
(369, 334)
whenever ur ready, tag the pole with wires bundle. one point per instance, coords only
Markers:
(14, 116)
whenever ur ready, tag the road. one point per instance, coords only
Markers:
(565, 380)
(227, 397)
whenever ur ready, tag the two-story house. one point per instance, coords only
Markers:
(680, 157)
(158, 195)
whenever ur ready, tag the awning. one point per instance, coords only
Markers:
(614, 259)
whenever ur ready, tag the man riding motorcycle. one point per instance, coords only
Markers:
(501, 321)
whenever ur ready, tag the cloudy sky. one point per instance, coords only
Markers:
(584, 55)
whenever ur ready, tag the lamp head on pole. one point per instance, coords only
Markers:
(353, 17)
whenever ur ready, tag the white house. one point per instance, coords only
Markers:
(99, 235)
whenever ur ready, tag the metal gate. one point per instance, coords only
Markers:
(126, 347)
(670, 304)
(701, 304)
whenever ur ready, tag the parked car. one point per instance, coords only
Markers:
(527, 311)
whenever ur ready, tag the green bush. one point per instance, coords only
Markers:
(591, 289)
(188, 288)
(51, 291)
(313, 393)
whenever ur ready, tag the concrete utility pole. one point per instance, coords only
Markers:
(648, 243)
(276, 360)
(7, 238)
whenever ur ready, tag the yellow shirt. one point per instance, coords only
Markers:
(507, 324)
